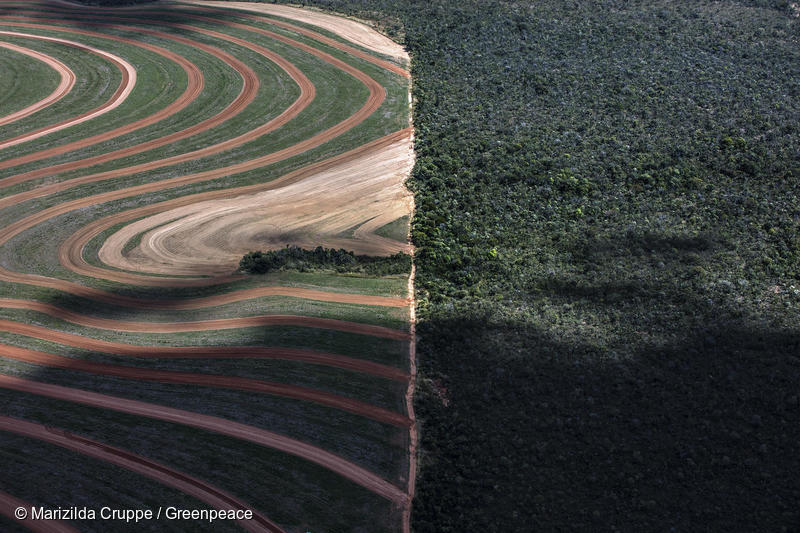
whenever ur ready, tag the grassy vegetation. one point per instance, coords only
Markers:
(377, 391)
(90, 483)
(57, 230)
(332, 85)
(374, 445)
(159, 82)
(291, 491)
(24, 82)
(96, 81)
(397, 229)
(385, 351)
(295, 493)
(153, 92)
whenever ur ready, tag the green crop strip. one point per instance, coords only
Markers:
(374, 445)
(386, 351)
(96, 81)
(289, 490)
(378, 391)
(24, 82)
(86, 483)
(159, 83)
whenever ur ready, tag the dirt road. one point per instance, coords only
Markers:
(214, 497)
(65, 84)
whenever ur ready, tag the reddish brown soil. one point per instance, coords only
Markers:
(70, 255)
(208, 380)
(62, 89)
(333, 462)
(193, 486)
(205, 352)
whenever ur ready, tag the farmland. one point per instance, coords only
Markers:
(143, 152)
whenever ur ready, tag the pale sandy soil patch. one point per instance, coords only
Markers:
(339, 207)
(353, 31)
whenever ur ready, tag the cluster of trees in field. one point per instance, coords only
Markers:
(341, 260)
(608, 262)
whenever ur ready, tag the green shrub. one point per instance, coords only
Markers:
(341, 260)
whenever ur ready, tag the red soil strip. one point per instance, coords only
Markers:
(267, 18)
(203, 325)
(71, 251)
(193, 89)
(307, 94)
(214, 497)
(314, 35)
(377, 95)
(107, 297)
(205, 352)
(63, 88)
(208, 380)
(343, 467)
(126, 85)
(9, 503)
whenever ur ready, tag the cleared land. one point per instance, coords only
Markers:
(175, 139)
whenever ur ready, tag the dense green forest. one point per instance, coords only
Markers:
(608, 262)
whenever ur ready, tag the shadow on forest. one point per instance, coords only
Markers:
(698, 423)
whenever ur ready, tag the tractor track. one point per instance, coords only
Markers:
(193, 486)
(65, 84)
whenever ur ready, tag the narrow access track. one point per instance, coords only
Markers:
(253, 434)
(65, 85)
(214, 497)
(205, 352)
(124, 90)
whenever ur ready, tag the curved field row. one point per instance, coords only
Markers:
(355, 164)
(245, 98)
(214, 424)
(121, 94)
(141, 465)
(204, 352)
(207, 380)
(67, 81)
(194, 87)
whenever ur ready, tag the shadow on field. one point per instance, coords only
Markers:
(147, 12)
(692, 423)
